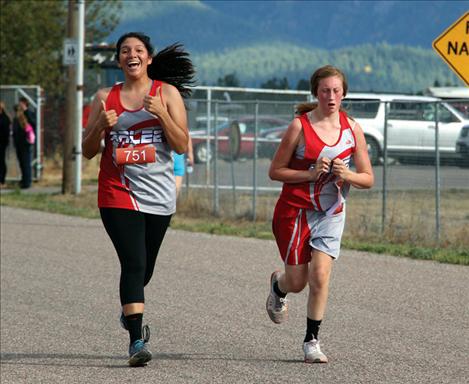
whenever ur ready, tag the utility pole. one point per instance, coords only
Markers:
(79, 105)
(73, 59)
(69, 52)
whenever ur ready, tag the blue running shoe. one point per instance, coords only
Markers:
(138, 353)
(145, 328)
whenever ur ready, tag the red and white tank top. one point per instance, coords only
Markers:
(327, 193)
(136, 170)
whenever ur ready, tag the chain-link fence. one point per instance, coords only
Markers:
(421, 196)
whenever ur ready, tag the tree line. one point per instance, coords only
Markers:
(369, 68)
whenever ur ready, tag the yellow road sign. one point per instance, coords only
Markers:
(453, 47)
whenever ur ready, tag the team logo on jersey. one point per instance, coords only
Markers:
(135, 137)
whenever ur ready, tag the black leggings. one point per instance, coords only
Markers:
(137, 238)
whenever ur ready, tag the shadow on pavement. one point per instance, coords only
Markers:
(19, 358)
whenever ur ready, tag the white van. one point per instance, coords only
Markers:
(411, 125)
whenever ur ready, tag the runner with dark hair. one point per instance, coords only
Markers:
(141, 120)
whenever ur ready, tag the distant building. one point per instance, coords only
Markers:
(101, 67)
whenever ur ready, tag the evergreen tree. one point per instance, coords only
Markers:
(230, 80)
(31, 40)
(303, 85)
(32, 35)
(275, 83)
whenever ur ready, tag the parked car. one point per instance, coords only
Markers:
(201, 122)
(411, 125)
(236, 138)
(271, 140)
(462, 147)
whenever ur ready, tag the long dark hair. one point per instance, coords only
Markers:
(171, 65)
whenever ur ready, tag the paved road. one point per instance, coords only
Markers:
(389, 320)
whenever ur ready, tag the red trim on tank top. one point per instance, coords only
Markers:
(344, 124)
(153, 87)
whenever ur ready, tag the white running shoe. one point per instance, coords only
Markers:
(276, 306)
(313, 352)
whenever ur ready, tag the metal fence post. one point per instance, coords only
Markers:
(233, 181)
(437, 175)
(209, 131)
(385, 167)
(39, 128)
(216, 195)
(254, 162)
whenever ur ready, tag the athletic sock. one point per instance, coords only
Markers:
(134, 325)
(312, 329)
(277, 290)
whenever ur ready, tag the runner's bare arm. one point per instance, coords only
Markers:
(98, 121)
(279, 168)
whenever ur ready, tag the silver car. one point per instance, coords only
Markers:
(411, 124)
(462, 146)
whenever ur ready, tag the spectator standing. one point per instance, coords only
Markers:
(23, 121)
(5, 131)
(30, 116)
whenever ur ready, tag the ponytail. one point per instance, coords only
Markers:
(305, 108)
(173, 66)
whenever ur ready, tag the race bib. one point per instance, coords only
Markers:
(136, 155)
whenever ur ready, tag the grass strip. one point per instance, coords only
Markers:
(84, 205)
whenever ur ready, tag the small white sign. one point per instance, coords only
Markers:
(70, 53)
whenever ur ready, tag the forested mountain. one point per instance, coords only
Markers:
(382, 45)
(379, 68)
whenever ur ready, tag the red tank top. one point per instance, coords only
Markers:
(328, 193)
(147, 187)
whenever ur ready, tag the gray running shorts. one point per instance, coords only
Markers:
(326, 231)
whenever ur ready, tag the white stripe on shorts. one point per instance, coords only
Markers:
(296, 229)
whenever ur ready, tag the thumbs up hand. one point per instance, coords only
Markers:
(106, 118)
(154, 104)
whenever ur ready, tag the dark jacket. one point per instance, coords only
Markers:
(19, 134)
(4, 128)
(31, 117)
